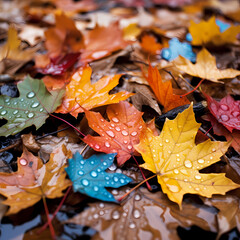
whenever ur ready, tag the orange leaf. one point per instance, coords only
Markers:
(81, 93)
(150, 45)
(164, 90)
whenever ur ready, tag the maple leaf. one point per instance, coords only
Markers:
(150, 45)
(205, 67)
(80, 92)
(176, 160)
(34, 180)
(32, 107)
(120, 134)
(12, 50)
(143, 214)
(227, 111)
(209, 32)
(164, 90)
(63, 38)
(89, 176)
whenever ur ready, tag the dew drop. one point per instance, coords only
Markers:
(166, 140)
(213, 150)
(3, 112)
(235, 113)
(34, 105)
(134, 134)
(183, 171)
(15, 112)
(185, 180)
(93, 174)
(85, 182)
(200, 161)
(197, 189)
(173, 188)
(80, 172)
(92, 162)
(122, 181)
(140, 127)
(101, 205)
(114, 119)
(115, 215)
(160, 144)
(124, 133)
(224, 117)
(41, 109)
(107, 144)
(110, 133)
(101, 213)
(82, 162)
(136, 213)
(176, 171)
(124, 214)
(1, 107)
(112, 167)
(198, 177)
(102, 120)
(137, 197)
(177, 155)
(178, 159)
(132, 225)
(188, 164)
(30, 115)
(7, 100)
(125, 141)
(129, 147)
(97, 146)
(23, 162)
(118, 129)
(95, 216)
(224, 107)
(112, 124)
(31, 95)
(115, 192)
(95, 188)
(115, 179)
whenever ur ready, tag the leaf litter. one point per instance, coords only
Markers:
(81, 71)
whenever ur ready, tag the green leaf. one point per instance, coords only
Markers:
(32, 107)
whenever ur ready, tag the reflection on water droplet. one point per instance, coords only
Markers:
(93, 174)
(34, 105)
(124, 133)
(178, 159)
(176, 171)
(166, 140)
(134, 134)
(7, 100)
(15, 112)
(225, 117)
(197, 189)
(23, 162)
(188, 164)
(80, 172)
(110, 133)
(136, 213)
(173, 188)
(85, 182)
(3, 112)
(200, 161)
(122, 181)
(183, 171)
(101, 213)
(30, 94)
(95, 188)
(235, 113)
(41, 109)
(97, 146)
(132, 225)
(137, 197)
(198, 177)
(82, 162)
(213, 150)
(124, 214)
(118, 129)
(224, 107)
(129, 147)
(95, 216)
(114, 192)
(115, 179)
(114, 119)
(101, 205)
(115, 215)
(30, 115)
(107, 144)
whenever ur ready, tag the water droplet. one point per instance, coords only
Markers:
(104, 163)
(134, 134)
(118, 129)
(132, 225)
(112, 167)
(112, 124)
(107, 144)
(235, 113)
(197, 189)
(129, 147)
(95, 216)
(115, 179)
(15, 112)
(95, 188)
(176, 171)
(3, 112)
(34, 105)
(198, 177)
(101, 213)
(41, 109)
(173, 188)
(178, 159)
(7, 100)
(115, 215)
(170, 129)
(124, 133)
(97, 146)
(31, 95)
(114, 119)
(141, 127)
(166, 140)
(224, 107)
(188, 164)
(124, 214)
(85, 182)
(125, 141)
(101, 205)
(82, 162)
(30, 115)
(213, 150)
(26, 111)
(136, 213)
(1, 107)
(200, 161)
(160, 144)
(102, 120)
(122, 181)
(80, 172)
(183, 171)
(93, 174)
(137, 197)
(110, 133)
(185, 180)
(23, 162)
(224, 117)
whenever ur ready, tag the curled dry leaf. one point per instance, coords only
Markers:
(81, 93)
(142, 216)
(176, 160)
(205, 67)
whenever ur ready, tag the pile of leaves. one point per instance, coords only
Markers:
(120, 119)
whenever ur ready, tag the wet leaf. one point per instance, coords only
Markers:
(34, 180)
(89, 176)
(144, 215)
(176, 160)
(164, 90)
(32, 107)
(81, 93)
(209, 32)
(205, 67)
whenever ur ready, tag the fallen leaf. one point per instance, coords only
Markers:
(164, 90)
(176, 160)
(89, 176)
(205, 67)
(32, 107)
(173, 3)
(209, 32)
(81, 93)
(131, 32)
(150, 45)
(33, 181)
(226, 112)
(142, 216)
(120, 134)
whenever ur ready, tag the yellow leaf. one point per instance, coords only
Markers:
(205, 67)
(209, 32)
(176, 160)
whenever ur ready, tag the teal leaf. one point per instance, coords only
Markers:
(32, 107)
(89, 176)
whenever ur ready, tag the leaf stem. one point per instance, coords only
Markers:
(147, 183)
(194, 89)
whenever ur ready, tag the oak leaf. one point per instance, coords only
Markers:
(120, 134)
(34, 180)
(144, 215)
(209, 32)
(176, 160)
(164, 90)
(81, 93)
(205, 67)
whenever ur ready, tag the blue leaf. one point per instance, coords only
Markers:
(89, 176)
(177, 48)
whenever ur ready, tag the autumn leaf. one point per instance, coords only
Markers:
(164, 90)
(32, 107)
(150, 45)
(176, 160)
(12, 50)
(120, 134)
(209, 32)
(143, 214)
(89, 176)
(34, 180)
(81, 93)
(227, 111)
(205, 67)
